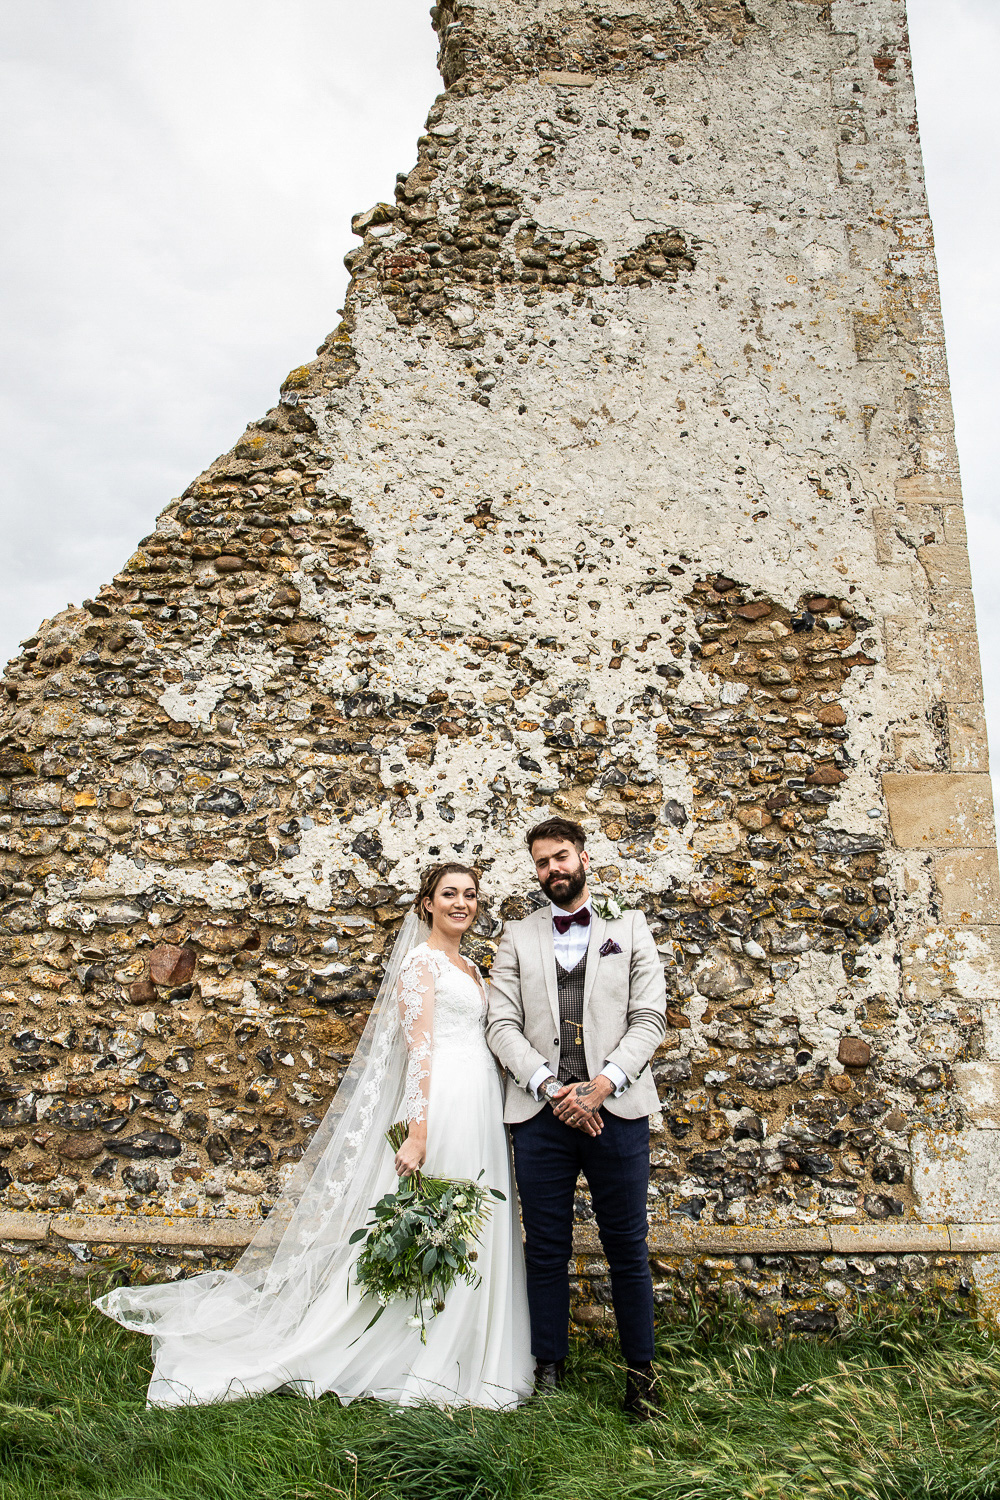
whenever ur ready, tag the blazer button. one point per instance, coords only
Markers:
(555, 1041)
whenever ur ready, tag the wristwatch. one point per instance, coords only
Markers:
(550, 1088)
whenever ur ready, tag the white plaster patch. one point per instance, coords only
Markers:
(217, 884)
(818, 984)
(991, 1031)
(193, 702)
(979, 1090)
(323, 852)
(976, 964)
(956, 1175)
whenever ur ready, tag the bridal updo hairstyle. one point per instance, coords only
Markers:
(431, 879)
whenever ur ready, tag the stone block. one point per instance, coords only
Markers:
(718, 1239)
(979, 1090)
(928, 489)
(969, 884)
(831, 714)
(941, 810)
(954, 524)
(967, 741)
(24, 1228)
(886, 541)
(853, 1052)
(36, 796)
(937, 436)
(889, 1239)
(980, 1237)
(956, 1175)
(590, 1314)
(568, 80)
(956, 658)
(98, 1229)
(170, 964)
(718, 838)
(991, 1029)
(58, 719)
(975, 963)
(905, 647)
(946, 566)
(936, 514)
(231, 990)
(954, 609)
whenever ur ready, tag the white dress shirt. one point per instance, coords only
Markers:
(570, 946)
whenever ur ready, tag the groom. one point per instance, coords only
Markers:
(577, 1008)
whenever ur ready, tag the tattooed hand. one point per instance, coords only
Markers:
(579, 1104)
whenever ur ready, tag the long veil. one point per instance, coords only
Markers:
(302, 1244)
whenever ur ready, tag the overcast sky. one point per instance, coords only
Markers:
(177, 182)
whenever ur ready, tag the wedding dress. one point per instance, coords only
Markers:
(290, 1316)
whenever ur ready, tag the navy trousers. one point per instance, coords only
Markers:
(548, 1156)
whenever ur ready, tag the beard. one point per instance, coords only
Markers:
(563, 887)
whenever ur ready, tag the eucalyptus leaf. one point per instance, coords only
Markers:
(365, 1330)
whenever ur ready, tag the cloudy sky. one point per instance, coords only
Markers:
(177, 182)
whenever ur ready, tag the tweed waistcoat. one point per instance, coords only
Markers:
(572, 1059)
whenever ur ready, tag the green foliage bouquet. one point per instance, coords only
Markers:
(422, 1239)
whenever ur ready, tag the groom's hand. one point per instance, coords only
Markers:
(579, 1104)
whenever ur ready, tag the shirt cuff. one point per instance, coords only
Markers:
(538, 1077)
(617, 1077)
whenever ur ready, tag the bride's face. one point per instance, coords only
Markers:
(453, 906)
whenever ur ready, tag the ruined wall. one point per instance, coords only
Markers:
(626, 487)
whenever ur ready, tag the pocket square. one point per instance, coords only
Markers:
(609, 947)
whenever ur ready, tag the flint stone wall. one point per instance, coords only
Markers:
(626, 487)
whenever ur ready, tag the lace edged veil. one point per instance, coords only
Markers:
(302, 1244)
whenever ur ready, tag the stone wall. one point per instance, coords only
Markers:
(626, 487)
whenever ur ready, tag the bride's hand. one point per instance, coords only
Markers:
(410, 1156)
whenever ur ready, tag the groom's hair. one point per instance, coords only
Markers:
(557, 828)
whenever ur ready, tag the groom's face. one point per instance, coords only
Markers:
(561, 869)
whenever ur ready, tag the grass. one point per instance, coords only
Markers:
(901, 1409)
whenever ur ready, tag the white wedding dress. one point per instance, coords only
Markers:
(290, 1316)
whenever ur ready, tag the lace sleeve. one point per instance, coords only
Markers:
(415, 997)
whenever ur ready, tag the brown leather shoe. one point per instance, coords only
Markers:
(550, 1374)
(641, 1404)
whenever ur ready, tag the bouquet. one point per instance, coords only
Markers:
(421, 1240)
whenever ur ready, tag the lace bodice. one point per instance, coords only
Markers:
(439, 1006)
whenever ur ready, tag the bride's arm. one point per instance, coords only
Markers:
(416, 1017)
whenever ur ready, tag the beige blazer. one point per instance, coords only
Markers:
(624, 1009)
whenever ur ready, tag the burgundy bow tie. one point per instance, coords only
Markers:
(566, 920)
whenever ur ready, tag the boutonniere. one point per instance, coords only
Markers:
(609, 947)
(607, 908)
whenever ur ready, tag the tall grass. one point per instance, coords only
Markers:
(904, 1409)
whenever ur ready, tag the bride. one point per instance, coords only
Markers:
(289, 1316)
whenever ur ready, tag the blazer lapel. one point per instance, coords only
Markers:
(547, 951)
(597, 928)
